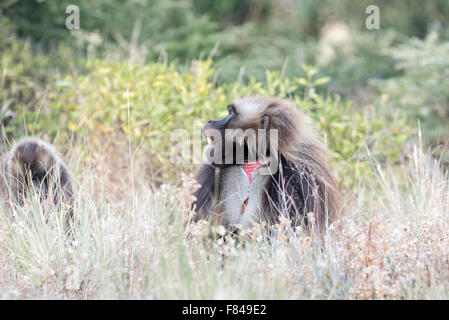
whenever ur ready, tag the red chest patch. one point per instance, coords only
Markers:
(249, 169)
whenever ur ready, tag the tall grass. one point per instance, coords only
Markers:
(392, 242)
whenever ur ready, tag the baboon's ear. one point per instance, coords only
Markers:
(265, 121)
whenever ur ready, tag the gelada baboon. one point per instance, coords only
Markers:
(287, 176)
(32, 165)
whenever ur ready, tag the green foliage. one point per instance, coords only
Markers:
(162, 99)
(22, 71)
(153, 28)
(350, 135)
(368, 60)
(26, 74)
(421, 90)
(252, 34)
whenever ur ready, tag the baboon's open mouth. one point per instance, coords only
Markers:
(210, 141)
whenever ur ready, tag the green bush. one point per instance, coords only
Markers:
(354, 139)
(162, 98)
(27, 74)
(253, 34)
(421, 90)
(368, 60)
(23, 74)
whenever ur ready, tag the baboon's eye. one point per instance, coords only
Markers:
(231, 109)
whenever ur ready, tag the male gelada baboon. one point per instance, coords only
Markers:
(32, 165)
(256, 178)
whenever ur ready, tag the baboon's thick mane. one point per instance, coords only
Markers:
(302, 154)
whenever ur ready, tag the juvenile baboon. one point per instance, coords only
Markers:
(243, 192)
(32, 165)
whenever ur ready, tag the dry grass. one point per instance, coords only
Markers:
(393, 242)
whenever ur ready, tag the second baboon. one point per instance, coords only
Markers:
(33, 165)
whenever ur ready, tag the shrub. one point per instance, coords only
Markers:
(22, 73)
(162, 98)
(352, 137)
(421, 91)
(25, 75)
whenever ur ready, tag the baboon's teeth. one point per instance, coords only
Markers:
(210, 141)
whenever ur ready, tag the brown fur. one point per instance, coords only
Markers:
(34, 164)
(304, 181)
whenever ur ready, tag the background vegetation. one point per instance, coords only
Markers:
(112, 92)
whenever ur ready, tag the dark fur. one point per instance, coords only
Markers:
(205, 194)
(33, 164)
(294, 190)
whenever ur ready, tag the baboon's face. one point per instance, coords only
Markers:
(236, 137)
